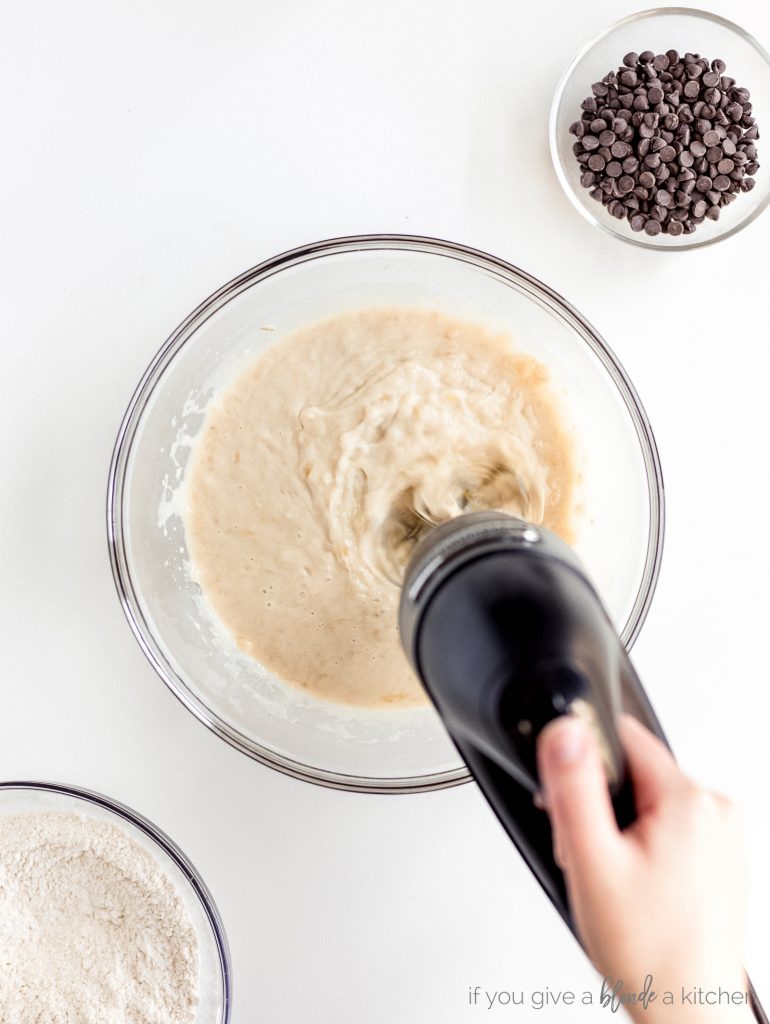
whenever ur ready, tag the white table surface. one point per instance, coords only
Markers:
(152, 151)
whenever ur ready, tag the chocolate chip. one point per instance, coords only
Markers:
(666, 141)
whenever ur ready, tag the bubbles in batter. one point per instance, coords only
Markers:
(326, 460)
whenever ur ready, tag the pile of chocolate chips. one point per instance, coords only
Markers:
(666, 141)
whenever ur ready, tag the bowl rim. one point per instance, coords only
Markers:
(172, 851)
(553, 141)
(121, 571)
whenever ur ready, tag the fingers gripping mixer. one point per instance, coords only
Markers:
(506, 633)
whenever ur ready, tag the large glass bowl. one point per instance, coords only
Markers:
(687, 30)
(215, 990)
(619, 534)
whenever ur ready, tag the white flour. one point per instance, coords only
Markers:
(92, 930)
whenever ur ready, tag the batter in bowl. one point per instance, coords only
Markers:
(326, 459)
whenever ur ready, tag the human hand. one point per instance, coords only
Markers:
(665, 897)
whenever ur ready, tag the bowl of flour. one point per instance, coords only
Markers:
(103, 920)
(294, 437)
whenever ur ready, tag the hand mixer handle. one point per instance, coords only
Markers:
(507, 633)
(507, 644)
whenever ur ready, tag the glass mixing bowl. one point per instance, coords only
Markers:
(215, 986)
(619, 532)
(686, 30)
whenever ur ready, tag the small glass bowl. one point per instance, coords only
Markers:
(215, 1001)
(619, 534)
(665, 28)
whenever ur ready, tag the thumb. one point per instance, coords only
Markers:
(576, 796)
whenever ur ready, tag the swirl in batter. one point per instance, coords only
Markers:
(326, 459)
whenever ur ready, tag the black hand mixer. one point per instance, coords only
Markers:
(506, 632)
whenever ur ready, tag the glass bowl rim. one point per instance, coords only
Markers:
(567, 187)
(121, 569)
(171, 849)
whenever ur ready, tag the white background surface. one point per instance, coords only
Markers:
(152, 152)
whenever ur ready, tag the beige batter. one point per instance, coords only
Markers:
(326, 459)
